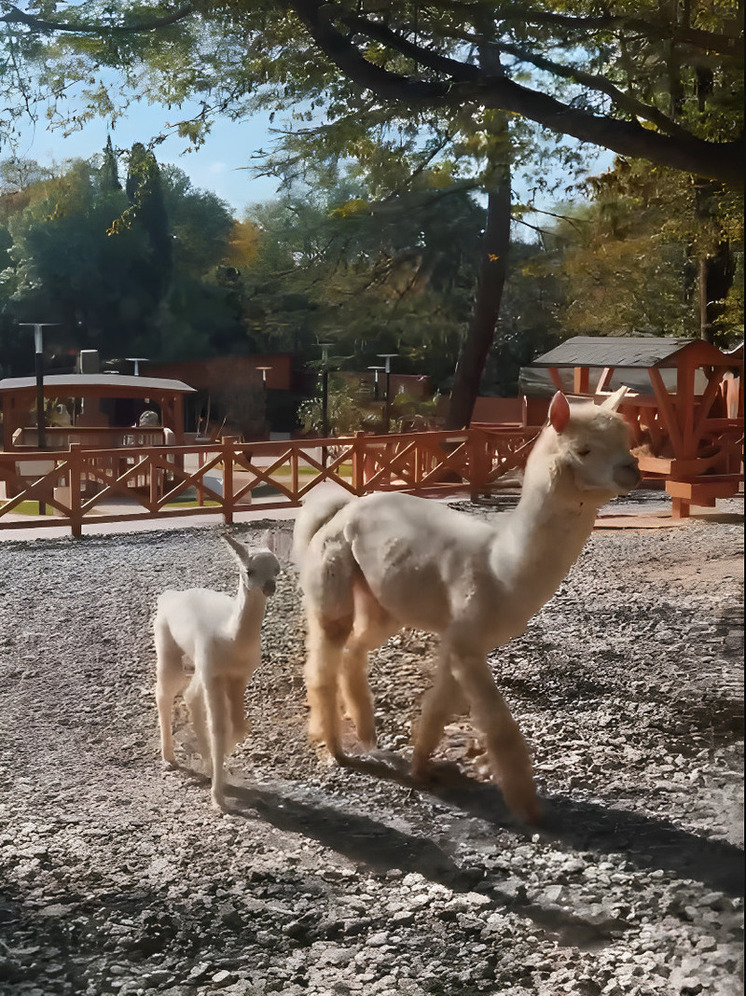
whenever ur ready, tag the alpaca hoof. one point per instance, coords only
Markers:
(168, 761)
(218, 803)
(525, 807)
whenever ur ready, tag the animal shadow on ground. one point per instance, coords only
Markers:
(647, 842)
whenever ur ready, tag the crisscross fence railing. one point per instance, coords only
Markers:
(82, 485)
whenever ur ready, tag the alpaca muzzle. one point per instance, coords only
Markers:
(627, 476)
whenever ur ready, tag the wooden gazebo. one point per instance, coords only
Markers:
(94, 428)
(685, 408)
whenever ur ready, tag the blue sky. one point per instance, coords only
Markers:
(219, 166)
(222, 165)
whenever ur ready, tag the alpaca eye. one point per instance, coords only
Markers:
(584, 451)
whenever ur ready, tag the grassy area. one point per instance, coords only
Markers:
(32, 507)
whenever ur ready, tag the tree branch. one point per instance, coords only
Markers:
(719, 161)
(16, 16)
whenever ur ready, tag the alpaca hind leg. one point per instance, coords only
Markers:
(506, 748)
(445, 699)
(326, 642)
(170, 680)
(194, 696)
(356, 695)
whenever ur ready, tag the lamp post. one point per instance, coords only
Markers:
(324, 347)
(41, 441)
(38, 328)
(265, 425)
(376, 371)
(136, 361)
(387, 357)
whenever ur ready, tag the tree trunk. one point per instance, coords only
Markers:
(481, 333)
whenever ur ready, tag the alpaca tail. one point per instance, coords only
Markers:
(316, 512)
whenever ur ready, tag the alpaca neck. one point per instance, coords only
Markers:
(541, 541)
(248, 612)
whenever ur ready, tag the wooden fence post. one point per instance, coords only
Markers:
(479, 462)
(75, 477)
(227, 447)
(358, 463)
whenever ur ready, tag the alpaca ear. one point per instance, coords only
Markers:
(559, 412)
(614, 400)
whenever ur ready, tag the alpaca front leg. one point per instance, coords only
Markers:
(506, 747)
(217, 721)
(444, 700)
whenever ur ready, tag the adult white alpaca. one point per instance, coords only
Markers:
(219, 637)
(372, 565)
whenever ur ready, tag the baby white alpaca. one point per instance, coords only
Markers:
(219, 636)
(372, 565)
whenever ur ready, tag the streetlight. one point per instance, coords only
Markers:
(387, 357)
(376, 371)
(263, 372)
(136, 361)
(38, 328)
(324, 347)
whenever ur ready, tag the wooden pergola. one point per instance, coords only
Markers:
(687, 420)
(18, 397)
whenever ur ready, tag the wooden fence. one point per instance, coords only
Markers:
(84, 485)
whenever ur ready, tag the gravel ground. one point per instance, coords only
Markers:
(117, 877)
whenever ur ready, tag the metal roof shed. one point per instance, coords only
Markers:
(688, 426)
(17, 395)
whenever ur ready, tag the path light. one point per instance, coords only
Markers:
(41, 441)
(324, 347)
(376, 371)
(387, 357)
(136, 360)
(38, 328)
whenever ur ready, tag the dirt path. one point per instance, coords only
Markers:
(117, 878)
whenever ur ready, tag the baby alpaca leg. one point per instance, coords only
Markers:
(239, 724)
(326, 640)
(170, 680)
(194, 696)
(506, 748)
(218, 721)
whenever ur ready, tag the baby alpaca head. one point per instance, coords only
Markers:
(259, 568)
(590, 444)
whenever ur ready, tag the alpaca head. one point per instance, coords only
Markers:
(587, 449)
(259, 567)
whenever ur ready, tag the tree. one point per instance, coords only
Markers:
(658, 82)
(661, 82)
(654, 252)
(72, 260)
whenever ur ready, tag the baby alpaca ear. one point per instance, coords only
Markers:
(239, 549)
(559, 412)
(279, 542)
